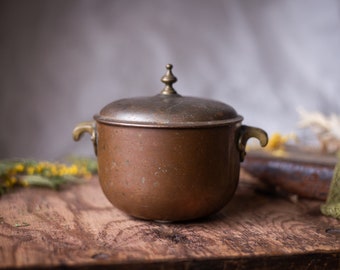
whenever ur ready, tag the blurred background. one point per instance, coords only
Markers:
(62, 61)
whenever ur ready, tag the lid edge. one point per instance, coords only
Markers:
(212, 123)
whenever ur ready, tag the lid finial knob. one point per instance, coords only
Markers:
(169, 79)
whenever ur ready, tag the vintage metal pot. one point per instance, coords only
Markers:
(169, 157)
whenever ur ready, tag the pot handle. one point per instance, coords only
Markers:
(89, 127)
(247, 132)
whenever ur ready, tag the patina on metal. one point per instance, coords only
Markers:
(168, 109)
(169, 157)
(169, 79)
(89, 127)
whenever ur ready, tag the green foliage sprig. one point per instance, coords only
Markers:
(25, 173)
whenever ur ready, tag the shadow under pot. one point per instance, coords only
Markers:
(168, 157)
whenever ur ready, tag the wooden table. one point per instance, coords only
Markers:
(78, 228)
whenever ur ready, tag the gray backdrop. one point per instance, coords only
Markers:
(62, 61)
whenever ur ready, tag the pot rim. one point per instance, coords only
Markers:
(214, 123)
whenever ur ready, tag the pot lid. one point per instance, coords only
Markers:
(167, 109)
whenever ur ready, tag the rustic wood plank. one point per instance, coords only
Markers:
(77, 227)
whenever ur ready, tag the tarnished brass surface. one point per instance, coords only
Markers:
(168, 79)
(89, 127)
(168, 174)
(168, 109)
(169, 157)
(247, 132)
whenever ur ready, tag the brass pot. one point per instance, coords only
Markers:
(169, 157)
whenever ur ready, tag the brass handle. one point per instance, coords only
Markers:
(89, 127)
(247, 132)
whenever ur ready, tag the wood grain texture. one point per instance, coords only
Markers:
(78, 228)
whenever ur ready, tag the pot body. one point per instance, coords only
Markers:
(168, 174)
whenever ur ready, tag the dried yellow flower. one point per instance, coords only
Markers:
(19, 168)
(47, 174)
(30, 170)
(278, 141)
